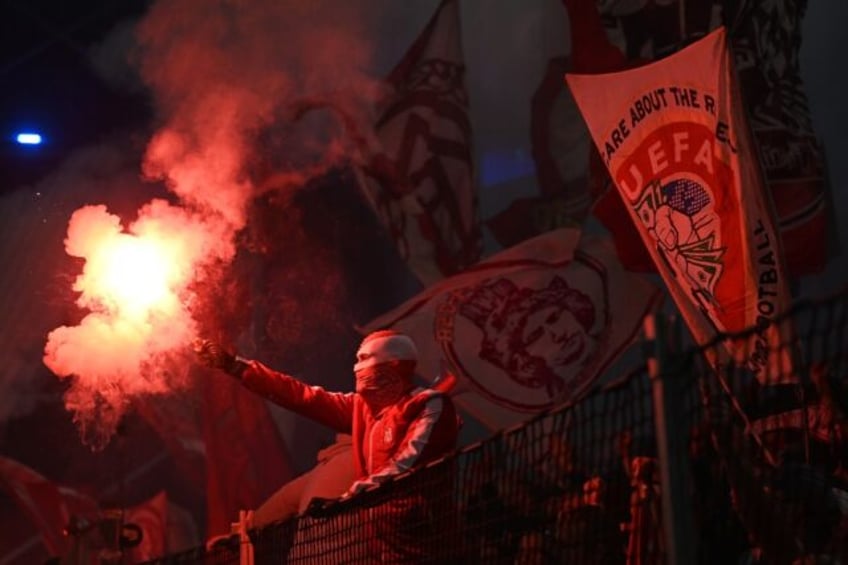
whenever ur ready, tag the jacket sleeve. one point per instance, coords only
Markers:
(333, 409)
(431, 434)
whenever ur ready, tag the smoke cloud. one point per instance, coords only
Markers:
(227, 83)
(135, 287)
(224, 79)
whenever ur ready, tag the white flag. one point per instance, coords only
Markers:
(420, 178)
(675, 140)
(528, 328)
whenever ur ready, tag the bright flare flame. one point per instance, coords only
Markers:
(135, 276)
(135, 285)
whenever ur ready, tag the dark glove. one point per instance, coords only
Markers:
(212, 355)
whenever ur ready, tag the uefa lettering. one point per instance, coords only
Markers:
(680, 154)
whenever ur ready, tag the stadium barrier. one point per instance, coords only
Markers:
(693, 457)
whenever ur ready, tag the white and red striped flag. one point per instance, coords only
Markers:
(418, 175)
(528, 328)
(674, 138)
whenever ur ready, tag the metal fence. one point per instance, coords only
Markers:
(679, 461)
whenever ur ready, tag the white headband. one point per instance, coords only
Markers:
(383, 349)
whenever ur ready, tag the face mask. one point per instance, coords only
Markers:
(380, 385)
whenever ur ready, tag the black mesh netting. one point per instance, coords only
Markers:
(759, 446)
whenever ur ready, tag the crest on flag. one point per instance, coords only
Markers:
(528, 328)
(613, 35)
(541, 334)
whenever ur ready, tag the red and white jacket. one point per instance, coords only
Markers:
(421, 427)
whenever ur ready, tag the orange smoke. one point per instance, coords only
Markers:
(135, 287)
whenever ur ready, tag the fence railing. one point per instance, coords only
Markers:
(757, 466)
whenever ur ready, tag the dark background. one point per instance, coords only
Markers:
(64, 72)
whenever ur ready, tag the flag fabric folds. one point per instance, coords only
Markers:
(530, 327)
(765, 44)
(49, 506)
(418, 176)
(675, 141)
(165, 526)
(151, 516)
(246, 459)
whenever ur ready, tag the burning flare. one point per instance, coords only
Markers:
(132, 276)
(135, 286)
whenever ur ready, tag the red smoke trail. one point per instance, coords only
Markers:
(221, 80)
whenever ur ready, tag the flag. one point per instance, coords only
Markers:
(151, 516)
(765, 43)
(594, 52)
(561, 145)
(675, 141)
(182, 531)
(176, 420)
(49, 506)
(528, 328)
(245, 457)
(419, 176)
(165, 526)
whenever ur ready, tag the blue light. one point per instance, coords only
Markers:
(500, 166)
(28, 138)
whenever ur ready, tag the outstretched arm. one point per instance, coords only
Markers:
(333, 409)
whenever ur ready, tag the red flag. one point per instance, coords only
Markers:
(593, 52)
(166, 528)
(765, 43)
(47, 504)
(420, 178)
(528, 328)
(675, 141)
(246, 459)
(176, 420)
(152, 517)
(182, 531)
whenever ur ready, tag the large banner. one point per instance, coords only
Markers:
(675, 141)
(765, 41)
(530, 327)
(246, 459)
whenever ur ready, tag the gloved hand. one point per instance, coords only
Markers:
(212, 355)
